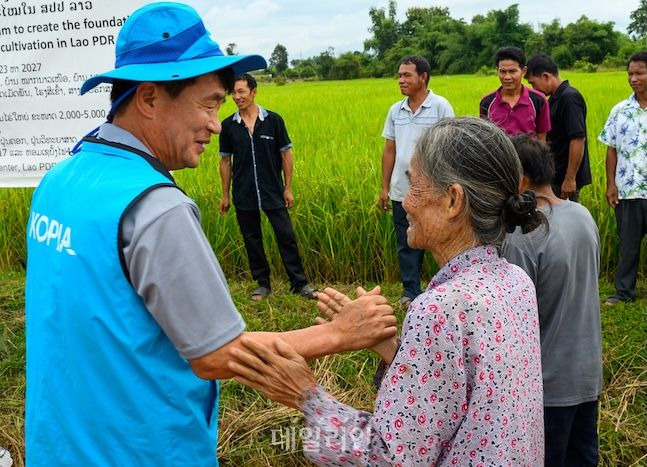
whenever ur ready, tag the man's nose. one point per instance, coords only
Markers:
(214, 125)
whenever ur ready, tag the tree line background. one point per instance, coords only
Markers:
(454, 46)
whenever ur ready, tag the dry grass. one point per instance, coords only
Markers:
(247, 418)
(623, 408)
(12, 364)
(246, 427)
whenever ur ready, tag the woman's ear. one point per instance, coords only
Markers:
(455, 200)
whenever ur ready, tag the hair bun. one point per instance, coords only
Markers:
(520, 210)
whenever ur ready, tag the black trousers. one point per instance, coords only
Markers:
(571, 435)
(631, 215)
(250, 226)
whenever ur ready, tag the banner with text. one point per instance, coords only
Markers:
(47, 50)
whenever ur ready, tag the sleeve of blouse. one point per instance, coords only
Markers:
(421, 402)
(337, 434)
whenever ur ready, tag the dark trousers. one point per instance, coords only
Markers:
(410, 259)
(571, 435)
(631, 216)
(250, 226)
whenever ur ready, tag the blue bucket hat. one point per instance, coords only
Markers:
(166, 42)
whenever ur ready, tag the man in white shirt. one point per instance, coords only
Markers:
(405, 121)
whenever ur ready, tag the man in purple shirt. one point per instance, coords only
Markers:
(514, 107)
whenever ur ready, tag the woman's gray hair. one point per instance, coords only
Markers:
(479, 157)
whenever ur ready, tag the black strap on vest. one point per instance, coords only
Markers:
(155, 163)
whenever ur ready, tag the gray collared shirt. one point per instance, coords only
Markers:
(404, 127)
(173, 268)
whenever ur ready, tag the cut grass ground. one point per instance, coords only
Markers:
(254, 431)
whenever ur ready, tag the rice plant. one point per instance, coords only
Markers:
(336, 129)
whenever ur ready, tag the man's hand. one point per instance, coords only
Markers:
(288, 197)
(568, 188)
(224, 205)
(328, 304)
(383, 203)
(361, 323)
(279, 372)
(612, 195)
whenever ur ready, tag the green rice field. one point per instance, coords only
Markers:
(336, 130)
(345, 240)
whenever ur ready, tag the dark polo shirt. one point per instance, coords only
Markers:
(257, 165)
(568, 121)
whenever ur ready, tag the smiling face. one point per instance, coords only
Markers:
(510, 74)
(425, 210)
(410, 81)
(242, 95)
(183, 125)
(637, 76)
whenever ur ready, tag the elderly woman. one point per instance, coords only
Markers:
(464, 386)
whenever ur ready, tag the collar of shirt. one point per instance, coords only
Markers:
(476, 255)
(115, 134)
(524, 97)
(560, 90)
(633, 103)
(262, 113)
(426, 103)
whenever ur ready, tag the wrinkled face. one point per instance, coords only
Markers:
(637, 75)
(424, 207)
(242, 95)
(184, 125)
(540, 83)
(409, 80)
(510, 74)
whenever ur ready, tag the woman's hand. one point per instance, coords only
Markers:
(336, 305)
(280, 373)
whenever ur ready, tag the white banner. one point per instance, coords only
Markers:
(47, 50)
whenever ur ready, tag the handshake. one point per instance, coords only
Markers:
(366, 322)
(279, 371)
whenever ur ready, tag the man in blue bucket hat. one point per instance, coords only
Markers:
(129, 318)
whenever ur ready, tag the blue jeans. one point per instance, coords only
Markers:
(410, 259)
(571, 435)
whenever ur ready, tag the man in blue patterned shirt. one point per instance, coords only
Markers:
(625, 134)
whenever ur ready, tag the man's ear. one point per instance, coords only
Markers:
(524, 70)
(455, 200)
(146, 99)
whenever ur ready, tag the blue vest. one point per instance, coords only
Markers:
(105, 385)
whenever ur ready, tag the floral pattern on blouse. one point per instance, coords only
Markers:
(464, 387)
(626, 131)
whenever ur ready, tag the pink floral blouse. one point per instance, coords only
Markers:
(464, 387)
